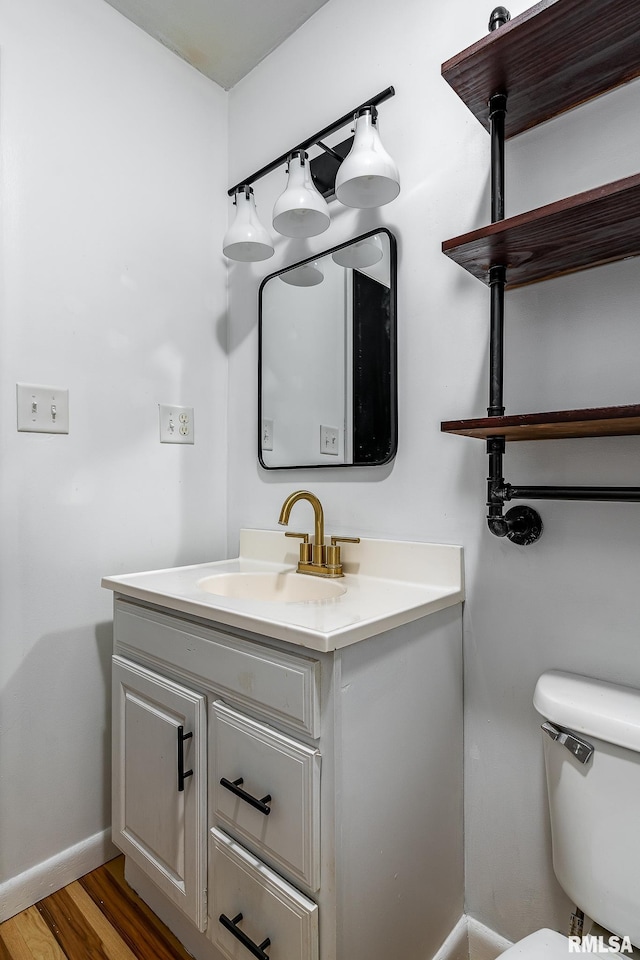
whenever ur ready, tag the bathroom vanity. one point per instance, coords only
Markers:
(287, 765)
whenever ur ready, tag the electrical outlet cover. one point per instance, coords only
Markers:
(176, 424)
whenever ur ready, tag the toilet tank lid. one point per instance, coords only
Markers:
(604, 710)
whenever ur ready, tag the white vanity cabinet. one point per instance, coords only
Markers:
(322, 819)
(254, 815)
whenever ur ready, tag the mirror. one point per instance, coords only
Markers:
(327, 358)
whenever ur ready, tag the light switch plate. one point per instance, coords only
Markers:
(176, 424)
(42, 409)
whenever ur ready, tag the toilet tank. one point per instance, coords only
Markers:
(595, 806)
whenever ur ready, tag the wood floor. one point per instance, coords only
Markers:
(98, 917)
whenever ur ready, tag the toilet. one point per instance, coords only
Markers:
(592, 762)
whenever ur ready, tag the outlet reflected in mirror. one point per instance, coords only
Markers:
(327, 365)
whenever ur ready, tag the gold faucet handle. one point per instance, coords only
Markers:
(333, 551)
(305, 546)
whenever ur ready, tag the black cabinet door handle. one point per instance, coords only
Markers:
(234, 787)
(257, 949)
(182, 773)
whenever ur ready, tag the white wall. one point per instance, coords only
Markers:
(113, 204)
(568, 601)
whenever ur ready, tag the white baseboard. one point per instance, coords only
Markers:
(484, 944)
(471, 940)
(38, 882)
(456, 946)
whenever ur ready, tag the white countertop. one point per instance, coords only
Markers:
(388, 583)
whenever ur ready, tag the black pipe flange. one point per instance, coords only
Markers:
(525, 525)
(520, 525)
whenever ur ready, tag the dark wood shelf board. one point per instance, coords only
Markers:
(554, 56)
(592, 228)
(554, 425)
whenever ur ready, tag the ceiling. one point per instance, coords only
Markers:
(224, 39)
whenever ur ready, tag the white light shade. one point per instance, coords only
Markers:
(367, 177)
(246, 239)
(308, 275)
(301, 211)
(362, 253)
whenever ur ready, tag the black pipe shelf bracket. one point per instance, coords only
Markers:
(325, 166)
(522, 524)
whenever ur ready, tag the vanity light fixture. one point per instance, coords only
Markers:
(368, 177)
(246, 239)
(301, 211)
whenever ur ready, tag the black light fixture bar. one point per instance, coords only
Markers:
(314, 140)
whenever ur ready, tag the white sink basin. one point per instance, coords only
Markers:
(288, 587)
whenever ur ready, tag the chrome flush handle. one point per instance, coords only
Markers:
(581, 749)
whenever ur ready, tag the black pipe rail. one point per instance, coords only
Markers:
(521, 525)
(612, 494)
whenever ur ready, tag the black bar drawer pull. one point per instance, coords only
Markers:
(182, 774)
(257, 949)
(234, 787)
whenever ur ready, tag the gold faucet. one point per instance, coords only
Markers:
(317, 558)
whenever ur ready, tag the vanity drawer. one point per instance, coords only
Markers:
(269, 907)
(286, 828)
(282, 686)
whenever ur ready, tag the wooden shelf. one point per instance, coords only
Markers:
(588, 229)
(555, 425)
(549, 59)
(555, 56)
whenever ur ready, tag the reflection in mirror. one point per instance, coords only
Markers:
(327, 368)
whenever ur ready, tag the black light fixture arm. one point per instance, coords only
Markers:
(327, 149)
(315, 139)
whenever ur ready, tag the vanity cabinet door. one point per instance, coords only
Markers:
(159, 782)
